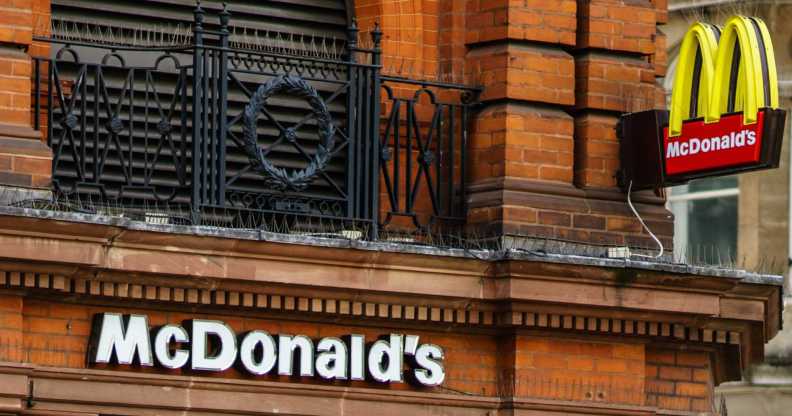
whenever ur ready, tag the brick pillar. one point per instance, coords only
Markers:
(519, 52)
(619, 54)
(556, 77)
(25, 161)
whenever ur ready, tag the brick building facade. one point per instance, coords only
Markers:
(524, 332)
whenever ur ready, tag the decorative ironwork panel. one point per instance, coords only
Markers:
(292, 129)
(116, 133)
(423, 153)
(231, 135)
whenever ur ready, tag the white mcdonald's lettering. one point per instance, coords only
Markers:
(695, 145)
(724, 71)
(126, 340)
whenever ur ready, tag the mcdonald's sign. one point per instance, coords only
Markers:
(723, 118)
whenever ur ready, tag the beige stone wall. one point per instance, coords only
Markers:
(763, 237)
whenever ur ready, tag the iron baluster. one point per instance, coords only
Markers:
(353, 115)
(211, 125)
(395, 154)
(450, 160)
(83, 139)
(463, 146)
(205, 138)
(408, 160)
(366, 142)
(148, 83)
(439, 155)
(374, 120)
(131, 125)
(197, 121)
(182, 166)
(96, 165)
(50, 76)
(225, 17)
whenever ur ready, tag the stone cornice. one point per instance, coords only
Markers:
(103, 262)
(101, 229)
(418, 312)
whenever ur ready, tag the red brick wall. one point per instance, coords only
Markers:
(531, 20)
(522, 141)
(556, 77)
(15, 88)
(16, 31)
(576, 370)
(679, 380)
(451, 39)
(41, 27)
(523, 72)
(24, 160)
(617, 25)
(616, 66)
(597, 149)
(11, 329)
(411, 30)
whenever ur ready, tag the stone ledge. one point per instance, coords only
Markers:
(384, 246)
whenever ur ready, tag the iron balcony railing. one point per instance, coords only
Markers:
(225, 132)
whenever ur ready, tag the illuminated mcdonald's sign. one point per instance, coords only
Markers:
(723, 117)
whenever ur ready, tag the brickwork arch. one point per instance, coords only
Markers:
(422, 39)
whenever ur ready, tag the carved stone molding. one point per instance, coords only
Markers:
(398, 313)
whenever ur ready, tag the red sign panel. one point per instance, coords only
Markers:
(702, 147)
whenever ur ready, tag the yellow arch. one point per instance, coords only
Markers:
(700, 41)
(737, 72)
(748, 81)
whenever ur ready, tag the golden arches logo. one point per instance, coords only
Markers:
(724, 71)
(724, 116)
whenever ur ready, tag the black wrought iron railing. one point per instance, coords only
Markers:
(424, 152)
(224, 131)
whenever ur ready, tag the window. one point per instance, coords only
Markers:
(705, 223)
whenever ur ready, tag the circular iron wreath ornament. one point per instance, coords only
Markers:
(278, 178)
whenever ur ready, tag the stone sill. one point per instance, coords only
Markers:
(396, 247)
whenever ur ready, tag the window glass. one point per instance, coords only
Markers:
(705, 220)
(712, 230)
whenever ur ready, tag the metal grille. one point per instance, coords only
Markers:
(150, 98)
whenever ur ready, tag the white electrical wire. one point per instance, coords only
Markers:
(659, 244)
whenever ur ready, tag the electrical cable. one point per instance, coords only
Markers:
(654, 237)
